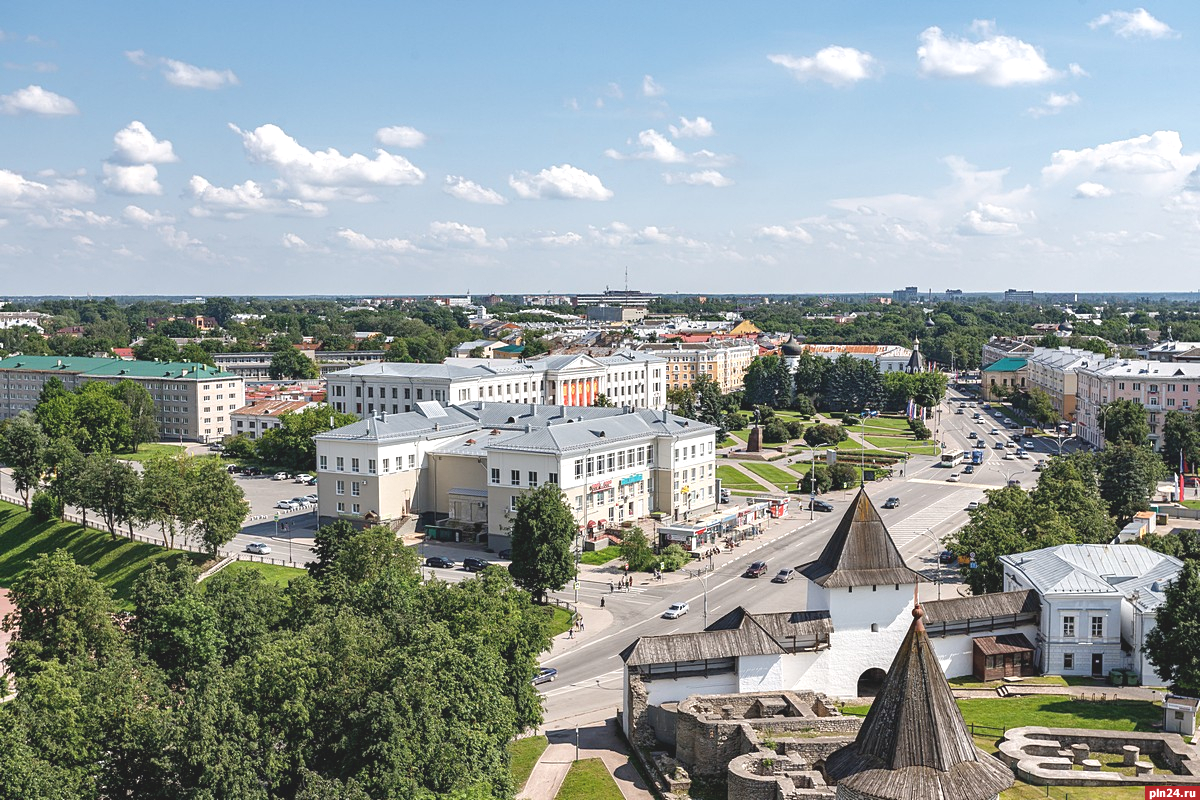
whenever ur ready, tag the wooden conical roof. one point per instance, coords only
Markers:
(860, 552)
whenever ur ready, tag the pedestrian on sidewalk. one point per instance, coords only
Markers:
(611, 589)
(571, 633)
(602, 602)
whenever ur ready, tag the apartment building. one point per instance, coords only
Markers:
(1174, 351)
(194, 401)
(1000, 378)
(256, 367)
(999, 347)
(885, 357)
(465, 465)
(723, 360)
(626, 378)
(1054, 371)
(1159, 386)
(257, 418)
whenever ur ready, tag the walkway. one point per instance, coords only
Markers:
(596, 737)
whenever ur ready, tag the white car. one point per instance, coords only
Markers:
(287, 505)
(971, 506)
(312, 498)
(675, 611)
(994, 431)
(280, 476)
(1009, 457)
(258, 548)
(953, 478)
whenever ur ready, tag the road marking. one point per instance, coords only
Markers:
(912, 526)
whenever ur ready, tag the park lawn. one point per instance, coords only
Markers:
(1026, 791)
(1191, 503)
(1053, 711)
(588, 779)
(524, 754)
(116, 562)
(729, 441)
(732, 478)
(771, 474)
(560, 620)
(598, 557)
(151, 450)
(887, 423)
(272, 573)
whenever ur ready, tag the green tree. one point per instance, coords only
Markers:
(769, 382)
(111, 488)
(682, 401)
(1171, 645)
(1124, 421)
(543, 528)
(195, 353)
(824, 433)
(1068, 488)
(156, 347)
(1180, 437)
(818, 476)
(635, 549)
(23, 450)
(291, 445)
(240, 446)
(1183, 543)
(1129, 475)
(851, 384)
(163, 492)
(602, 401)
(1038, 405)
(102, 421)
(328, 543)
(810, 372)
(290, 363)
(843, 476)
(143, 417)
(174, 627)
(53, 387)
(214, 507)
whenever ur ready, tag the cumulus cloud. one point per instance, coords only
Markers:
(179, 73)
(326, 174)
(785, 233)
(697, 128)
(140, 216)
(655, 147)
(463, 189)
(994, 60)
(563, 181)
(34, 99)
(136, 179)
(181, 240)
(706, 177)
(1077, 71)
(246, 197)
(1053, 104)
(835, 65)
(1089, 190)
(135, 144)
(990, 220)
(1132, 24)
(650, 88)
(293, 242)
(400, 136)
(359, 241)
(71, 218)
(558, 239)
(1154, 159)
(619, 234)
(456, 234)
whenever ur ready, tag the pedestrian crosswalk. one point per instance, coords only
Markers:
(931, 517)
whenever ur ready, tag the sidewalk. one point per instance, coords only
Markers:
(597, 738)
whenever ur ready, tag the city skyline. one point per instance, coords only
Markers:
(232, 150)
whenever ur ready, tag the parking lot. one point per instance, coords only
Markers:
(263, 493)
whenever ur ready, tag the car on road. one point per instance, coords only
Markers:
(784, 576)
(545, 675)
(1021, 453)
(725, 495)
(675, 611)
(972, 435)
(280, 476)
(258, 548)
(475, 564)
(287, 505)
(506, 554)
(892, 502)
(998, 446)
(216, 447)
(958, 411)
(1038, 467)
(971, 506)
(994, 431)
(953, 478)
(946, 557)
(757, 569)
(997, 415)
(819, 505)
(441, 562)
(969, 469)
(1009, 457)
(302, 478)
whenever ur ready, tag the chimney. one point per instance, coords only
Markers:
(664, 415)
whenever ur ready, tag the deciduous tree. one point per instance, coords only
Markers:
(23, 450)
(1171, 645)
(543, 528)
(1124, 421)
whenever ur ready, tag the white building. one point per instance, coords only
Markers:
(30, 319)
(626, 379)
(1098, 603)
(465, 465)
(885, 357)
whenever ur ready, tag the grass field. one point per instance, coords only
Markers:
(969, 682)
(1054, 712)
(891, 424)
(560, 621)
(732, 478)
(151, 450)
(1025, 791)
(272, 573)
(729, 441)
(598, 557)
(772, 474)
(913, 447)
(116, 562)
(589, 780)
(524, 754)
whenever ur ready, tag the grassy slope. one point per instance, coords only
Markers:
(525, 754)
(273, 573)
(150, 450)
(731, 478)
(589, 780)
(116, 562)
(771, 474)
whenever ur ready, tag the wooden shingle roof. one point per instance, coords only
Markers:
(860, 552)
(982, 606)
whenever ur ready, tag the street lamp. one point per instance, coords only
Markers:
(812, 477)
(1009, 476)
(938, 580)
(704, 580)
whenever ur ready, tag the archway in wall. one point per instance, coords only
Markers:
(870, 682)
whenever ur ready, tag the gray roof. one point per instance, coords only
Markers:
(473, 368)
(1122, 569)
(860, 552)
(982, 606)
(738, 633)
(913, 745)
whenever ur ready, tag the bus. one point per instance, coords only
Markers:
(952, 458)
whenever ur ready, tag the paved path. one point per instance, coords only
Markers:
(597, 737)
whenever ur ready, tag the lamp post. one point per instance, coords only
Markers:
(1008, 476)
(704, 580)
(812, 477)
(938, 580)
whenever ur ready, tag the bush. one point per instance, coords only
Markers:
(842, 476)
(240, 446)
(673, 557)
(635, 549)
(45, 506)
(850, 419)
(795, 429)
(819, 474)
(804, 405)
(824, 432)
(919, 429)
(775, 431)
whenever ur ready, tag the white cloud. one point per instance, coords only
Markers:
(783, 233)
(137, 145)
(456, 234)
(558, 239)
(835, 65)
(83, 241)
(614, 91)
(17, 191)
(245, 197)
(994, 60)
(1156, 160)
(294, 242)
(34, 99)
(137, 58)
(1130, 24)
(655, 147)
(359, 241)
(562, 181)
(138, 179)
(618, 234)
(140, 216)
(326, 174)
(463, 189)
(697, 128)
(1089, 190)
(400, 136)
(71, 218)
(179, 73)
(1053, 104)
(707, 177)
(650, 88)
(1118, 238)
(991, 220)
(1077, 71)
(181, 240)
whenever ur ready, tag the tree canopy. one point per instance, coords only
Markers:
(1171, 645)
(543, 528)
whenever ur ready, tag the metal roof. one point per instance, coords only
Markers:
(1117, 569)
(860, 552)
(1007, 365)
(738, 633)
(114, 367)
(1003, 644)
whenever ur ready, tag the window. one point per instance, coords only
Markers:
(323, 462)
(354, 465)
(371, 466)
(1068, 662)
(354, 489)
(591, 467)
(358, 391)
(1097, 627)
(512, 503)
(341, 508)
(420, 394)
(533, 479)
(412, 461)
(387, 464)
(408, 394)
(515, 477)
(1068, 627)
(552, 478)
(354, 508)
(341, 464)
(341, 487)
(578, 469)
(495, 475)
(611, 462)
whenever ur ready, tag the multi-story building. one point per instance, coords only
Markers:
(1097, 601)
(256, 367)
(1018, 296)
(29, 319)
(909, 294)
(1174, 351)
(1000, 378)
(193, 401)
(1054, 371)
(1158, 386)
(626, 378)
(885, 357)
(723, 360)
(464, 465)
(999, 347)
(616, 297)
(257, 418)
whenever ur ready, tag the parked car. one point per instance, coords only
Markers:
(302, 478)
(441, 562)
(784, 576)
(216, 447)
(892, 502)
(953, 478)
(301, 501)
(1014, 482)
(971, 506)
(280, 476)
(725, 495)
(475, 564)
(820, 505)
(506, 554)
(946, 557)
(675, 611)
(545, 675)
(233, 469)
(258, 548)
(1038, 466)
(252, 472)
(969, 469)
(287, 505)
(312, 498)
(756, 570)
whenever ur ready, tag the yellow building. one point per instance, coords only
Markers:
(725, 361)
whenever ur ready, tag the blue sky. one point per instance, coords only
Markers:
(388, 148)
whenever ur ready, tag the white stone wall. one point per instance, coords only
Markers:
(671, 690)
(760, 673)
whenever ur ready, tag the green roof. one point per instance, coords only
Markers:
(114, 367)
(1007, 365)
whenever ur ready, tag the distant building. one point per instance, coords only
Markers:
(30, 319)
(999, 347)
(617, 297)
(1174, 351)
(909, 294)
(261, 416)
(1054, 371)
(619, 314)
(546, 300)
(1000, 378)
(1015, 296)
(723, 360)
(885, 357)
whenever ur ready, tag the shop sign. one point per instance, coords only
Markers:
(599, 487)
(631, 479)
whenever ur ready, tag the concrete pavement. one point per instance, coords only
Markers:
(591, 736)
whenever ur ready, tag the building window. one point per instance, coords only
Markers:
(533, 479)
(552, 478)
(512, 503)
(495, 475)
(354, 465)
(341, 464)
(578, 469)
(354, 489)
(1068, 662)
(341, 508)
(387, 464)
(370, 466)
(420, 394)
(412, 461)
(408, 394)
(515, 477)
(341, 487)
(591, 467)
(1097, 627)
(323, 462)
(354, 508)
(1068, 627)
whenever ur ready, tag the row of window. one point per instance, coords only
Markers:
(340, 488)
(1068, 627)
(614, 462)
(339, 464)
(514, 478)
(341, 507)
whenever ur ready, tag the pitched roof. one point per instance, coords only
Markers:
(1125, 570)
(1007, 365)
(1003, 644)
(982, 606)
(738, 633)
(860, 552)
(116, 367)
(913, 745)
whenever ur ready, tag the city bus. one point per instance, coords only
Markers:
(952, 458)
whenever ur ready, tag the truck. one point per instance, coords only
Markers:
(1030, 430)
(977, 456)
